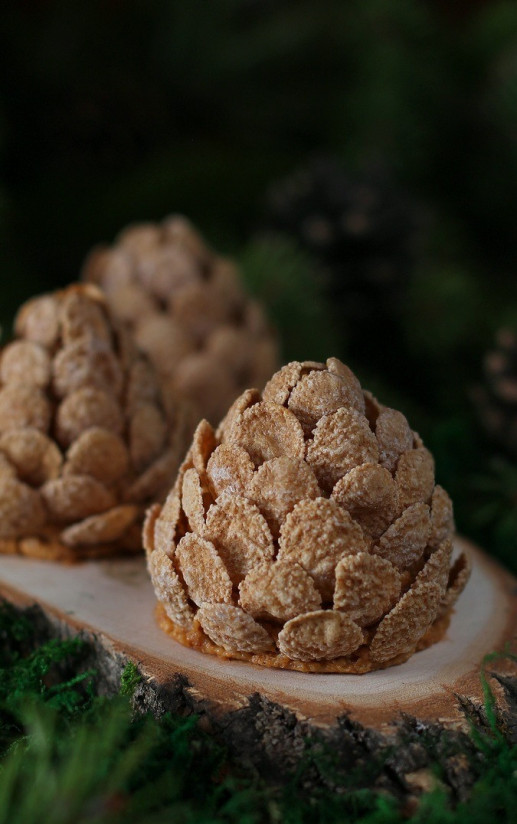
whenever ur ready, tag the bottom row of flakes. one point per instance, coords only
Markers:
(320, 635)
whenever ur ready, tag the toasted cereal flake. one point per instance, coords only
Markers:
(99, 453)
(399, 632)
(227, 285)
(25, 362)
(21, 508)
(366, 587)
(164, 270)
(278, 591)
(317, 534)
(37, 458)
(206, 382)
(130, 303)
(84, 409)
(240, 533)
(200, 310)
(142, 386)
(394, 437)
(278, 485)
(164, 536)
(23, 405)
(244, 401)
(458, 577)
(233, 629)
(37, 321)
(81, 315)
(110, 267)
(337, 367)
(140, 238)
(192, 500)
(7, 469)
(147, 435)
(232, 346)
(164, 340)
(86, 362)
(415, 476)
(369, 493)
(148, 531)
(180, 231)
(323, 634)
(203, 571)
(267, 431)
(322, 393)
(404, 541)
(341, 441)
(203, 444)
(169, 589)
(101, 529)
(230, 469)
(280, 386)
(372, 408)
(157, 478)
(442, 518)
(76, 497)
(436, 569)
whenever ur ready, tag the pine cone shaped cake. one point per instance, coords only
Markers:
(307, 532)
(86, 442)
(187, 310)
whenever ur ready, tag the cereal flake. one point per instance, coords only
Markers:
(203, 571)
(317, 534)
(233, 629)
(278, 485)
(415, 476)
(404, 541)
(240, 534)
(268, 431)
(278, 591)
(169, 589)
(101, 529)
(99, 453)
(230, 469)
(25, 362)
(322, 634)
(366, 587)
(394, 437)
(341, 441)
(369, 493)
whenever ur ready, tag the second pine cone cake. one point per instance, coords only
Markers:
(307, 532)
(87, 440)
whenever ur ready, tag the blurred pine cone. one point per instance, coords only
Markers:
(496, 399)
(188, 311)
(362, 228)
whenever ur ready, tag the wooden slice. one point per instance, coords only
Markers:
(114, 601)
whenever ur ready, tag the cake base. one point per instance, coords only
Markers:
(390, 728)
(113, 602)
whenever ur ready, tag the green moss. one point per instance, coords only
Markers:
(70, 755)
(130, 679)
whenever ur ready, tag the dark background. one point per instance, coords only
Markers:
(112, 112)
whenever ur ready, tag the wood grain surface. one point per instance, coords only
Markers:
(113, 600)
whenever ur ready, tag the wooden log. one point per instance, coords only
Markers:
(270, 717)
